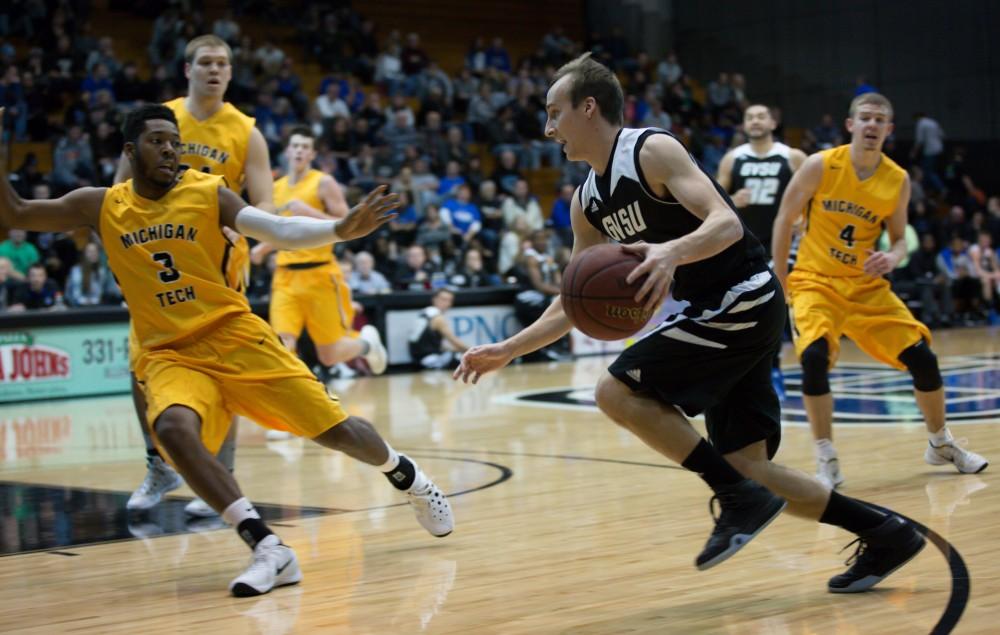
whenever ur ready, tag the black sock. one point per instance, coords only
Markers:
(711, 467)
(153, 453)
(403, 475)
(252, 531)
(851, 514)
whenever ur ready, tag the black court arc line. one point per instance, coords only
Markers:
(961, 582)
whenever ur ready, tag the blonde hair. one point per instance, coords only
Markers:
(206, 40)
(876, 99)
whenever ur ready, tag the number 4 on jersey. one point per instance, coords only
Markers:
(847, 235)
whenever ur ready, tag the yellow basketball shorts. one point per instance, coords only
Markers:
(239, 368)
(317, 299)
(864, 309)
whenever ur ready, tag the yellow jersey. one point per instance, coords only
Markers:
(218, 145)
(307, 191)
(169, 258)
(845, 216)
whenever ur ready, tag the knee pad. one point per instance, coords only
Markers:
(922, 363)
(816, 368)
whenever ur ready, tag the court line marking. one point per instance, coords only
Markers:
(961, 582)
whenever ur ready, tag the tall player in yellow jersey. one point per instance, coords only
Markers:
(837, 288)
(203, 355)
(216, 139)
(308, 289)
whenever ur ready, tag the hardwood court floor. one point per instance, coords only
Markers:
(565, 523)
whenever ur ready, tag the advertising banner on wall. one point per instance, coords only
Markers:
(63, 361)
(471, 324)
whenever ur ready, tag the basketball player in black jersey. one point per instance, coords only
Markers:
(756, 174)
(645, 190)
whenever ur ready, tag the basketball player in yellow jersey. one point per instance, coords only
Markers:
(203, 355)
(308, 289)
(216, 139)
(837, 288)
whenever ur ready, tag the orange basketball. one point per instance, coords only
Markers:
(596, 297)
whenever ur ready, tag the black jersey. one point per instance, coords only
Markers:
(621, 205)
(766, 177)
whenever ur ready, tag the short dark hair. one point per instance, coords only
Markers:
(302, 131)
(135, 121)
(593, 79)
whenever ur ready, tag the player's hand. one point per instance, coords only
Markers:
(372, 212)
(659, 263)
(259, 253)
(741, 197)
(479, 360)
(880, 263)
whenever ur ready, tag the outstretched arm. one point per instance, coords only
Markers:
(298, 232)
(76, 209)
(552, 325)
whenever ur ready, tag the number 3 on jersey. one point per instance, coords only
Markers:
(847, 235)
(169, 274)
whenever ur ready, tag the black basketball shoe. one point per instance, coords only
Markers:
(880, 551)
(745, 509)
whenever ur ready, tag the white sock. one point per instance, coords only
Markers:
(941, 437)
(825, 449)
(240, 510)
(392, 462)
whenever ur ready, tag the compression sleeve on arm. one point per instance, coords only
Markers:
(286, 232)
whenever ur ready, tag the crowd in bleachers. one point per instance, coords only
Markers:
(460, 148)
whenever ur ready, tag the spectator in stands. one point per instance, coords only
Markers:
(656, 117)
(269, 58)
(9, 287)
(928, 146)
(466, 87)
(73, 162)
(987, 269)
(475, 59)
(512, 245)
(130, 88)
(433, 345)
(415, 272)
(414, 60)
(90, 281)
(669, 71)
(12, 97)
(365, 279)
(861, 86)
(993, 217)
(507, 172)
(491, 208)
(497, 56)
(523, 204)
(456, 149)
(961, 189)
(329, 105)
(954, 262)
(481, 112)
(452, 179)
(106, 147)
(400, 133)
(473, 273)
(389, 70)
(433, 232)
(226, 28)
(542, 281)
(827, 133)
(104, 54)
(956, 225)
(932, 286)
(403, 228)
(720, 94)
(462, 215)
(39, 292)
(19, 252)
(559, 220)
